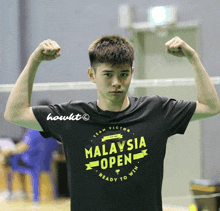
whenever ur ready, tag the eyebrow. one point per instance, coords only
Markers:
(113, 71)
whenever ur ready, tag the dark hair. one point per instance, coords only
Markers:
(113, 49)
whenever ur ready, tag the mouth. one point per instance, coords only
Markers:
(116, 93)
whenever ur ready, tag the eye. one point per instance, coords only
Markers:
(108, 75)
(124, 75)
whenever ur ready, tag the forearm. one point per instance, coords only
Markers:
(20, 148)
(206, 92)
(20, 96)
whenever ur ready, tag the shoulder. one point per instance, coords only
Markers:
(151, 99)
(151, 103)
(142, 99)
(165, 101)
(160, 102)
(80, 105)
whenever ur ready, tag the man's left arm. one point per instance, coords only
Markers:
(208, 103)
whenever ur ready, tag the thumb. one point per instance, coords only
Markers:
(57, 54)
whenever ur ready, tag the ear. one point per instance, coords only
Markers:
(91, 74)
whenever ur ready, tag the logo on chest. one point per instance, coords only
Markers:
(114, 153)
(71, 117)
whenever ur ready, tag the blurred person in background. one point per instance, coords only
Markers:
(27, 147)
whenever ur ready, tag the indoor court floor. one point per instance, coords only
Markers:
(47, 203)
(62, 204)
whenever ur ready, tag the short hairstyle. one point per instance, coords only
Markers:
(112, 49)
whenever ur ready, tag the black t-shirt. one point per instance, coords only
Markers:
(115, 159)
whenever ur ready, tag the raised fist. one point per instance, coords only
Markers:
(47, 50)
(178, 47)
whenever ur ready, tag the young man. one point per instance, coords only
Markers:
(114, 146)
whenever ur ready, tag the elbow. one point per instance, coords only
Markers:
(6, 116)
(9, 117)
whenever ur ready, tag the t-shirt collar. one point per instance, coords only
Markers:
(111, 113)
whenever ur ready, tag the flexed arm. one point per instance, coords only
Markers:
(208, 103)
(18, 110)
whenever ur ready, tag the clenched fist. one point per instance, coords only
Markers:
(47, 50)
(178, 47)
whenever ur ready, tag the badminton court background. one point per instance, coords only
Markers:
(74, 25)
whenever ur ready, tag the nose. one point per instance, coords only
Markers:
(116, 82)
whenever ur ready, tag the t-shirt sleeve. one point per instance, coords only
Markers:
(44, 115)
(177, 114)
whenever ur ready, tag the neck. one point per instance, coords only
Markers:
(107, 105)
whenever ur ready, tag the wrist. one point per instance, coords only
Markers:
(34, 59)
(194, 58)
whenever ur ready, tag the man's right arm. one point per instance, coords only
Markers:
(18, 109)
